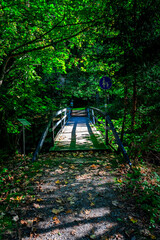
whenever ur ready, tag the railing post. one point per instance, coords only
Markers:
(69, 113)
(52, 132)
(106, 131)
(65, 115)
(88, 114)
(61, 121)
(93, 116)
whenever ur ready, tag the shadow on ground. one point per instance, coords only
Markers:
(78, 200)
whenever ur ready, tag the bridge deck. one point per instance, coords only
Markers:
(79, 134)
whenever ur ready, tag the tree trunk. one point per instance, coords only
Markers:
(125, 108)
(125, 91)
(134, 101)
(134, 108)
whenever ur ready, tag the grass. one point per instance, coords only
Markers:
(79, 109)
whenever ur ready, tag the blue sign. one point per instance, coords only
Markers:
(105, 82)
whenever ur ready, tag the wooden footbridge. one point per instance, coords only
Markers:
(75, 130)
(79, 134)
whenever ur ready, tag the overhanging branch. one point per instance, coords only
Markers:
(49, 45)
(38, 38)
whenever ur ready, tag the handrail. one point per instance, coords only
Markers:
(109, 121)
(98, 110)
(45, 132)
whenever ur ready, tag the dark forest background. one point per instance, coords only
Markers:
(54, 51)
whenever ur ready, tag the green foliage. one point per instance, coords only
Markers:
(46, 60)
(146, 191)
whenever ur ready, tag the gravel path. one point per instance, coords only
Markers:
(79, 200)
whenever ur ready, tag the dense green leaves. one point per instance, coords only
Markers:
(52, 52)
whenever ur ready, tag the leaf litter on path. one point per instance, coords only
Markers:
(83, 202)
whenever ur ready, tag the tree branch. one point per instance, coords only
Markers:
(38, 38)
(41, 36)
(4, 66)
(49, 45)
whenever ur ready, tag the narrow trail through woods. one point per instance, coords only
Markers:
(80, 199)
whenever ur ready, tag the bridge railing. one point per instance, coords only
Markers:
(103, 119)
(58, 118)
(98, 117)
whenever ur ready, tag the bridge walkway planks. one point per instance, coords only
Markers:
(79, 134)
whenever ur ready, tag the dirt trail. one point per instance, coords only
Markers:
(79, 200)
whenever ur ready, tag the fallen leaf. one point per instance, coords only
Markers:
(56, 231)
(56, 220)
(56, 211)
(92, 204)
(102, 173)
(18, 198)
(39, 200)
(93, 166)
(152, 236)
(31, 235)
(73, 232)
(69, 211)
(29, 223)
(87, 212)
(90, 196)
(57, 182)
(58, 200)
(107, 167)
(133, 220)
(72, 167)
(36, 219)
(36, 205)
(69, 198)
(119, 180)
